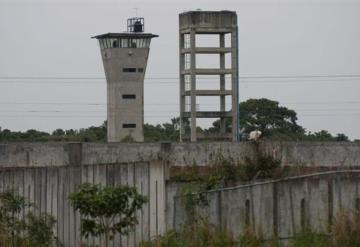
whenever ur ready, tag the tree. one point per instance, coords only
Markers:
(268, 117)
(106, 210)
(58, 132)
(164, 132)
(264, 115)
(341, 138)
(322, 135)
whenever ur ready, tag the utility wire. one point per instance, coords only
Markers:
(154, 116)
(171, 111)
(172, 104)
(157, 78)
(243, 79)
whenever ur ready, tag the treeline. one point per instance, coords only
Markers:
(274, 121)
(91, 134)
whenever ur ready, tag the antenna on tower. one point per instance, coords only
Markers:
(136, 12)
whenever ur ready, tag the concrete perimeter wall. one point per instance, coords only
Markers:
(282, 207)
(46, 173)
(49, 187)
(325, 154)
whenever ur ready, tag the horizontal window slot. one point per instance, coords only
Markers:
(129, 96)
(131, 70)
(129, 126)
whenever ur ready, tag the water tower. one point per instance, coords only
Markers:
(125, 58)
(220, 26)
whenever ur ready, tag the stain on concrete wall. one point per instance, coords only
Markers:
(282, 207)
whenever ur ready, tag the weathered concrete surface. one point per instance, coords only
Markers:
(326, 154)
(125, 111)
(282, 207)
(47, 172)
(39, 154)
(192, 24)
(49, 188)
(125, 58)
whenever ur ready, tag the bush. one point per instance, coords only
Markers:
(37, 230)
(308, 237)
(30, 231)
(265, 167)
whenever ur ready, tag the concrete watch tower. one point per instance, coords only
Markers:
(218, 24)
(125, 58)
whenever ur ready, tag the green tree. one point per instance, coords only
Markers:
(341, 138)
(165, 132)
(107, 210)
(322, 135)
(58, 132)
(267, 116)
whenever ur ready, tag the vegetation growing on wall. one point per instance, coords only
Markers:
(227, 173)
(223, 173)
(31, 230)
(345, 232)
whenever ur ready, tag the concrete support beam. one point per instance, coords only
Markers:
(208, 50)
(182, 85)
(209, 114)
(222, 84)
(207, 71)
(209, 30)
(223, 93)
(235, 84)
(193, 73)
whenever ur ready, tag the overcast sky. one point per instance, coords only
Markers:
(276, 38)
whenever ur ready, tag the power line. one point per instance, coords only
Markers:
(242, 83)
(243, 79)
(171, 111)
(166, 103)
(157, 78)
(155, 116)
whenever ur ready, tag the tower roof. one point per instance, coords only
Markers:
(125, 35)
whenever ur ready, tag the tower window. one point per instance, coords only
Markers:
(131, 70)
(129, 126)
(140, 70)
(129, 96)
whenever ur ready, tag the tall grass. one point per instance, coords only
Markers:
(345, 232)
(198, 234)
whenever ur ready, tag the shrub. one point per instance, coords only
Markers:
(308, 237)
(264, 167)
(106, 210)
(30, 231)
(37, 230)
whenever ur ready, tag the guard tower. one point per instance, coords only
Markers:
(125, 58)
(221, 24)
